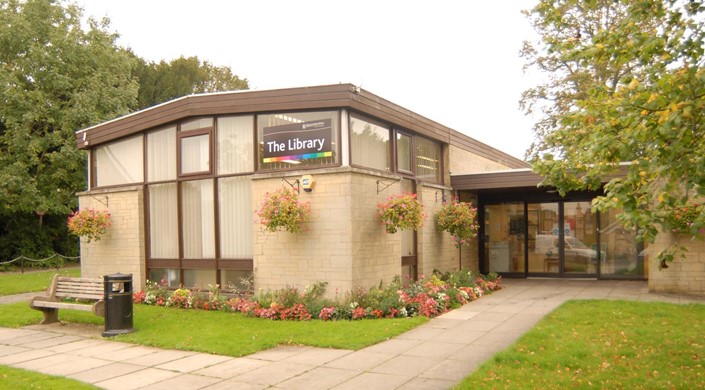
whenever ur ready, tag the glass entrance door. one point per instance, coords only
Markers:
(544, 238)
(579, 239)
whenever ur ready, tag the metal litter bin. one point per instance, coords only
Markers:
(118, 304)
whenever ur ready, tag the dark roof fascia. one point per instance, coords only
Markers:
(515, 178)
(334, 96)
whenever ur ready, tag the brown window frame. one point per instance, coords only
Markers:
(180, 136)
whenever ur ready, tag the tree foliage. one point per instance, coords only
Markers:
(626, 85)
(164, 81)
(58, 76)
(55, 78)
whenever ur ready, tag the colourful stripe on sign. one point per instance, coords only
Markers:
(297, 157)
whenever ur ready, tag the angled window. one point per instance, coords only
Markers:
(120, 162)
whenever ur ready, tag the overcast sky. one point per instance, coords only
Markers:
(455, 62)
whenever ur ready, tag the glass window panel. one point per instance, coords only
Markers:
(428, 160)
(161, 155)
(504, 233)
(163, 222)
(579, 238)
(292, 118)
(235, 144)
(241, 281)
(120, 162)
(544, 245)
(170, 277)
(369, 144)
(403, 152)
(195, 154)
(200, 123)
(198, 219)
(620, 253)
(236, 216)
(199, 278)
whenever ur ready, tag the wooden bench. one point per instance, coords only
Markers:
(74, 288)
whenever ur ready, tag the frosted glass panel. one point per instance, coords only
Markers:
(163, 222)
(120, 162)
(236, 144)
(195, 154)
(369, 144)
(198, 219)
(161, 155)
(236, 218)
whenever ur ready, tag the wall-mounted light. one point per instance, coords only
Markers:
(307, 183)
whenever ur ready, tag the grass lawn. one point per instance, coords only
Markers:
(15, 378)
(225, 333)
(18, 283)
(604, 344)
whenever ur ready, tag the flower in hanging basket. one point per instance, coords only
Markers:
(685, 219)
(282, 210)
(89, 224)
(401, 212)
(460, 220)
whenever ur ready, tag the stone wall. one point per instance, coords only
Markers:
(686, 276)
(463, 161)
(345, 244)
(122, 249)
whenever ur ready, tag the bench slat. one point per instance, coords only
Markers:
(80, 296)
(63, 305)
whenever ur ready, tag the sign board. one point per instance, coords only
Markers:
(297, 141)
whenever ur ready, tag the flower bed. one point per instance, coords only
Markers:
(429, 296)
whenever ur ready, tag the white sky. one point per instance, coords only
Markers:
(456, 62)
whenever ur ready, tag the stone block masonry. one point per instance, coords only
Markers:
(683, 275)
(122, 249)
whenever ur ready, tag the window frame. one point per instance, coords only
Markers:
(180, 136)
(391, 144)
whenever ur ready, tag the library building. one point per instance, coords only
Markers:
(183, 180)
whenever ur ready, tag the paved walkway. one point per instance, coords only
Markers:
(436, 355)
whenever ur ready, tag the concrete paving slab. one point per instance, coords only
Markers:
(404, 365)
(32, 354)
(361, 360)
(127, 354)
(11, 350)
(317, 356)
(137, 379)
(183, 382)
(233, 384)
(393, 346)
(36, 364)
(444, 323)
(103, 373)
(76, 345)
(473, 354)
(459, 314)
(372, 380)
(28, 338)
(273, 373)
(231, 368)
(448, 370)
(73, 366)
(50, 342)
(318, 378)
(161, 357)
(421, 333)
(428, 384)
(105, 348)
(462, 336)
(279, 353)
(193, 362)
(434, 349)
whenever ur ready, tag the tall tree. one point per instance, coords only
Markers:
(55, 78)
(626, 85)
(163, 81)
